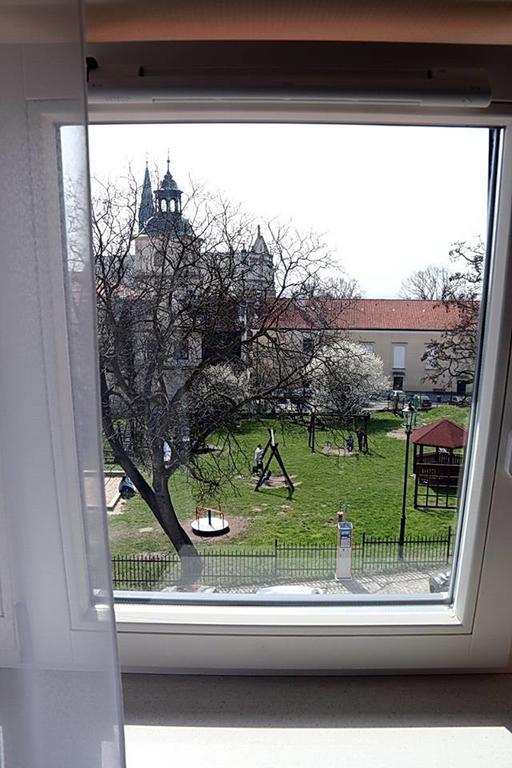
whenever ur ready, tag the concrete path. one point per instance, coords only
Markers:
(112, 495)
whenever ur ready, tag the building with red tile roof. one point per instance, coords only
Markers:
(399, 331)
(369, 314)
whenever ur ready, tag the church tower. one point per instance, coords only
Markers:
(162, 215)
(160, 220)
(168, 197)
(260, 268)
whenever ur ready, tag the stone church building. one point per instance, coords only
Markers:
(161, 216)
(396, 330)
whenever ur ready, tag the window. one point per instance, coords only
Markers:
(252, 298)
(399, 355)
(307, 345)
(182, 350)
(134, 615)
(52, 393)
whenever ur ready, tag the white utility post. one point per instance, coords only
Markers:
(344, 549)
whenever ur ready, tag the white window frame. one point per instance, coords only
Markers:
(8, 642)
(84, 607)
(475, 630)
(402, 346)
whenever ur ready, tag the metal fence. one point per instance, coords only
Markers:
(281, 563)
(376, 553)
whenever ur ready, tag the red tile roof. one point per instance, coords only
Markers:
(369, 314)
(442, 434)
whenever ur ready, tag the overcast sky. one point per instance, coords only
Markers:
(387, 200)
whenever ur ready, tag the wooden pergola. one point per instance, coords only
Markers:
(438, 459)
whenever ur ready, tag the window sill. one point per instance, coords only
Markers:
(282, 620)
(459, 747)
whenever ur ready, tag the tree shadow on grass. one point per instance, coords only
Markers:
(441, 515)
(384, 425)
(356, 456)
(276, 493)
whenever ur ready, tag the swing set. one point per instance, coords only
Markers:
(272, 449)
(359, 425)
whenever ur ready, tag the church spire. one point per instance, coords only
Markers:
(259, 246)
(147, 208)
(260, 272)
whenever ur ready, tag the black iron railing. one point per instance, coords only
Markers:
(282, 562)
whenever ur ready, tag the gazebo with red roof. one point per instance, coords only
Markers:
(437, 471)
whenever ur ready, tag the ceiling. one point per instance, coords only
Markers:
(414, 21)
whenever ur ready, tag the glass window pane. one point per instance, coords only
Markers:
(398, 356)
(288, 353)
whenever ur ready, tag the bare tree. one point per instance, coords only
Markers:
(338, 287)
(193, 332)
(453, 355)
(429, 284)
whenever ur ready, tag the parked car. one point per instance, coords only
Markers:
(285, 405)
(290, 589)
(422, 402)
(439, 582)
(460, 400)
(199, 588)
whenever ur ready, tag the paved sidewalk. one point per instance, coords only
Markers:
(397, 582)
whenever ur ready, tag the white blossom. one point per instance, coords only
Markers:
(344, 376)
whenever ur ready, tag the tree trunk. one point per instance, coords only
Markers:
(191, 564)
(158, 498)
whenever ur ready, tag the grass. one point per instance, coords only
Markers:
(371, 485)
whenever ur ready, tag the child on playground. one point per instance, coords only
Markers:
(258, 460)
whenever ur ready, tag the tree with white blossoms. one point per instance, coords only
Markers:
(343, 377)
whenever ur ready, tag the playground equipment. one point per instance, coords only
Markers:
(438, 470)
(312, 432)
(273, 449)
(357, 424)
(211, 524)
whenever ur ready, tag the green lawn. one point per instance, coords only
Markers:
(371, 485)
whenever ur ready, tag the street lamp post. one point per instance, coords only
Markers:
(409, 414)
